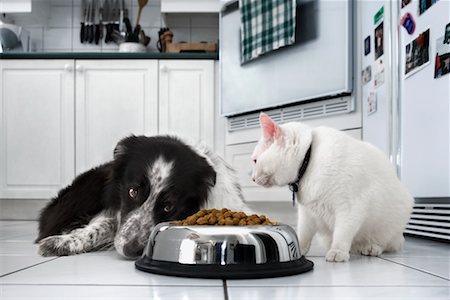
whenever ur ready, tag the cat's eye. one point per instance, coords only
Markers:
(254, 161)
(133, 192)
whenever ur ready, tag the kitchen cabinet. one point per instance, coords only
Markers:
(193, 6)
(114, 99)
(36, 127)
(186, 98)
(61, 117)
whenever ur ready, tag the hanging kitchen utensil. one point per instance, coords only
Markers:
(92, 22)
(96, 24)
(100, 20)
(83, 20)
(106, 19)
(141, 4)
(87, 22)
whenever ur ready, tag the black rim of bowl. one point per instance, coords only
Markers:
(242, 271)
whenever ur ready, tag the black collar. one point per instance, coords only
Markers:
(294, 185)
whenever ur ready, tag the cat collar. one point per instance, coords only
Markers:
(294, 185)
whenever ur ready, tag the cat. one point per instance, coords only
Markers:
(349, 192)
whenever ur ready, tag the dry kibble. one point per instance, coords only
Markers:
(222, 217)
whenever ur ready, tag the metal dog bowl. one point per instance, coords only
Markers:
(227, 252)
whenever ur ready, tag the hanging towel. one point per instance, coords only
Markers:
(266, 25)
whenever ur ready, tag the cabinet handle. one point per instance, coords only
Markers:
(79, 68)
(164, 69)
(68, 67)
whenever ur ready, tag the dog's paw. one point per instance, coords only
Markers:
(371, 250)
(58, 245)
(336, 255)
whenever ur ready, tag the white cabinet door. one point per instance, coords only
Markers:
(36, 127)
(239, 156)
(186, 98)
(114, 99)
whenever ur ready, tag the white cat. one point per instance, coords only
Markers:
(348, 193)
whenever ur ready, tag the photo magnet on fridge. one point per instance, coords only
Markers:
(447, 34)
(408, 23)
(366, 75)
(425, 4)
(405, 2)
(417, 53)
(372, 103)
(442, 59)
(379, 47)
(367, 45)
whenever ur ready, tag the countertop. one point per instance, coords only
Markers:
(107, 55)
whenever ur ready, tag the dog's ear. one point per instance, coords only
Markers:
(123, 145)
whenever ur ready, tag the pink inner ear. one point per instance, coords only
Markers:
(269, 127)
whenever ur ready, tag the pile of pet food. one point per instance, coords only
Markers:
(224, 217)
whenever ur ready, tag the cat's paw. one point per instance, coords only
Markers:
(57, 245)
(336, 255)
(371, 250)
(304, 247)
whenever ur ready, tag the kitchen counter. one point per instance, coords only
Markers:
(108, 55)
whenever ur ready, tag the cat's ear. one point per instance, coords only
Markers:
(270, 129)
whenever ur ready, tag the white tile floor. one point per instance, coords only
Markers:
(420, 271)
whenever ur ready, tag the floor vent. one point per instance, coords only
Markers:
(294, 113)
(430, 220)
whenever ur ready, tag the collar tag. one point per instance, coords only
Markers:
(295, 185)
(294, 189)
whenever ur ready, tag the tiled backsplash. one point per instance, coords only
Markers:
(54, 25)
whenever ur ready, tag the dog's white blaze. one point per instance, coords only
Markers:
(158, 173)
(139, 221)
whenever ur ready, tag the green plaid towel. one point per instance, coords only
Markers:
(266, 25)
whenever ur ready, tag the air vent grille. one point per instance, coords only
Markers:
(294, 113)
(430, 220)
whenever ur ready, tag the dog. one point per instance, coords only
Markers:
(150, 180)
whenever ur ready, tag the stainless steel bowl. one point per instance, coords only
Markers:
(223, 251)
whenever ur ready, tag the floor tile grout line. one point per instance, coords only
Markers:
(414, 268)
(109, 285)
(225, 290)
(340, 286)
(43, 262)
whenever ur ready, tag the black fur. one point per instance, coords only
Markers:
(106, 189)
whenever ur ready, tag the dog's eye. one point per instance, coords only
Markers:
(168, 208)
(133, 192)
(254, 161)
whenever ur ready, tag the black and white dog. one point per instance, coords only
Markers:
(150, 180)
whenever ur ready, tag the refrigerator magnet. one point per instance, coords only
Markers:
(417, 53)
(372, 103)
(379, 37)
(447, 34)
(407, 21)
(366, 75)
(367, 45)
(442, 59)
(405, 2)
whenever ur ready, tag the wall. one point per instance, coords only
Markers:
(54, 25)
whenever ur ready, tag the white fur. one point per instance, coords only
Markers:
(99, 233)
(350, 193)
